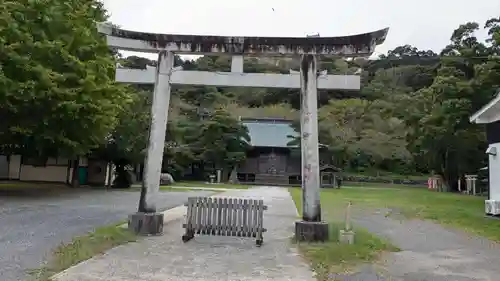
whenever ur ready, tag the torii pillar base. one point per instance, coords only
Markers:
(146, 223)
(311, 231)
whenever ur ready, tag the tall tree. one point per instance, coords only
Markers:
(442, 136)
(127, 143)
(222, 141)
(57, 89)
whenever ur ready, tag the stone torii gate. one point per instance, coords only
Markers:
(307, 80)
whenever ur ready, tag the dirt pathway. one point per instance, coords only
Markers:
(430, 252)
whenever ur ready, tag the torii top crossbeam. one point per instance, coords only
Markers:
(343, 46)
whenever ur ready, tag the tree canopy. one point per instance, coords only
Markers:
(57, 89)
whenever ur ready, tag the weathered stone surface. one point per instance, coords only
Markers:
(166, 179)
(146, 223)
(346, 236)
(233, 178)
(311, 231)
(353, 45)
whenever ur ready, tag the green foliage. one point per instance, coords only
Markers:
(221, 140)
(57, 89)
(441, 136)
(125, 144)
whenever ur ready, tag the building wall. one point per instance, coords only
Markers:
(46, 174)
(293, 165)
(55, 170)
(272, 163)
(14, 167)
(494, 171)
(97, 172)
(263, 162)
(493, 136)
(250, 165)
(493, 132)
(4, 167)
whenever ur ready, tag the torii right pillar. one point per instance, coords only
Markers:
(311, 228)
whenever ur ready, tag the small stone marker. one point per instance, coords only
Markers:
(346, 236)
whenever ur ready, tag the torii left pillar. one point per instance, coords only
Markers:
(147, 221)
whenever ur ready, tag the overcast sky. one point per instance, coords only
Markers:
(426, 24)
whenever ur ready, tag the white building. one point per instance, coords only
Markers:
(490, 115)
(53, 170)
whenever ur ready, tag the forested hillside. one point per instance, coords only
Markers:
(411, 116)
(57, 97)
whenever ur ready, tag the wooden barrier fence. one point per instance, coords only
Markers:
(225, 217)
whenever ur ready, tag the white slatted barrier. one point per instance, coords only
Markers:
(224, 217)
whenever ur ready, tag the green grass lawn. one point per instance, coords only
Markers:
(387, 175)
(82, 248)
(378, 185)
(450, 209)
(333, 257)
(178, 189)
(214, 185)
(453, 210)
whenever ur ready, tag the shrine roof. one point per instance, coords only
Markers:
(270, 132)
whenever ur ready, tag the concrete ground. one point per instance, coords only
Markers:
(33, 223)
(166, 257)
(203, 188)
(430, 252)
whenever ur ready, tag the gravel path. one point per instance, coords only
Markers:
(166, 258)
(430, 252)
(32, 225)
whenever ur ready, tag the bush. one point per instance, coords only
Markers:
(166, 179)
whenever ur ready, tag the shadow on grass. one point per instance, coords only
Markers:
(82, 248)
(333, 257)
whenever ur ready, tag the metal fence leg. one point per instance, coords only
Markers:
(188, 236)
(260, 240)
(190, 220)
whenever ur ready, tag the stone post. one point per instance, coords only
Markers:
(311, 228)
(237, 64)
(147, 220)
